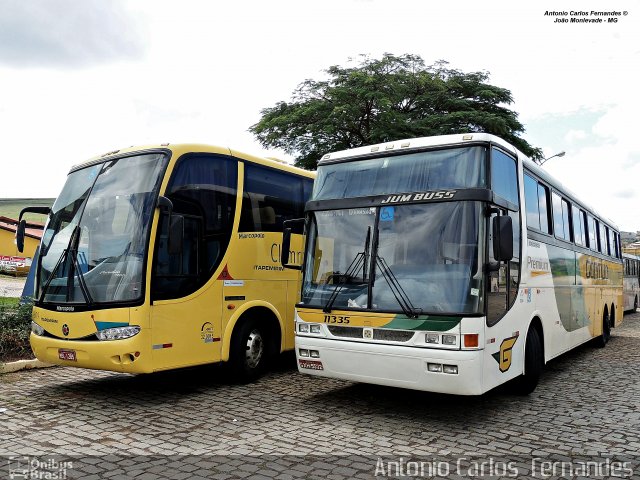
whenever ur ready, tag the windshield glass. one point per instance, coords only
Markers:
(414, 172)
(432, 251)
(94, 245)
(338, 238)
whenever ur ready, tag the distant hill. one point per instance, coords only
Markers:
(10, 207)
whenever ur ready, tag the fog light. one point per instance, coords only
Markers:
(314, 328)
(303, 352)
(303, 328)
(450, 369)
(432, 338)
(434, 367)
(449, 340)
(314, 353)
(37, 329)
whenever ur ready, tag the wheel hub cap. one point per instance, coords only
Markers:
(255, 349)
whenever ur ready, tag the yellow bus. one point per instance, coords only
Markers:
(168, 256)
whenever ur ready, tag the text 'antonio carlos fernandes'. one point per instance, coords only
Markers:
(492, 467)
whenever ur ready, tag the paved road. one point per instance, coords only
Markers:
(11, 286)
(189, 425)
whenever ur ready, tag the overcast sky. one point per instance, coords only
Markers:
(80, 78)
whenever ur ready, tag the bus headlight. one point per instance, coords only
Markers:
(310, 328)
(118, 333)
(449, 339)
(37, 329)
(432, 338)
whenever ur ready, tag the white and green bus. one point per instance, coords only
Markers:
(449, 264)
(631, 281)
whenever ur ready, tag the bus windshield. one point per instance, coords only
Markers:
(412, 172)
(432, 251)
(93, 248)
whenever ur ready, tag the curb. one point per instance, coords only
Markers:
(23, 365)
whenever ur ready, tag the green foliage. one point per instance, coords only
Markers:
(383, 100)
(15, 325)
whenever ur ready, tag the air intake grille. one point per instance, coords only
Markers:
(348, 332)
(378, 333)
(392, 335)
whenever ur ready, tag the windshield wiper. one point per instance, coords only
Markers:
(72, 249)
(359, 261)
(396, 289)
(76, 267)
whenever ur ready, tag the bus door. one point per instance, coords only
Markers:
(185, 318)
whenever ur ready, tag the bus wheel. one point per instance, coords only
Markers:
(533, 363)
(602, 340)
(250, 351)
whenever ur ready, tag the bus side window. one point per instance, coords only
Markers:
(578, 226)
(270, 197)
(531, 202)
(504, 179)
(202, 189)
(537, 205)
(600, 235)
(593, 243)
(561, 226)
(543, 202)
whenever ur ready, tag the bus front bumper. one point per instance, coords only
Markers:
(392, 365)
(116, 355)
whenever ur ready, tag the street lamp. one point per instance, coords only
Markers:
(544, 160)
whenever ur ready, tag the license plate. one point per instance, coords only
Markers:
(311, 364)
(67, 355)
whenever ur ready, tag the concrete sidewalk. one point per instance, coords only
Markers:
(11, 286)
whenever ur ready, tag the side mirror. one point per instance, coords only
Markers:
(176, 234)
(288, 228)
(502, 230)
(20, 235)
(22, 224)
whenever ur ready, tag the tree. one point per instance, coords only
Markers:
(387, 99)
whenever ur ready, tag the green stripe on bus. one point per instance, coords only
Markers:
(424, 322)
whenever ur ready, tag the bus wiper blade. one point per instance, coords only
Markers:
(396, 289)
(360, 260)
(52, 274)
(72, 249)
(76, 268)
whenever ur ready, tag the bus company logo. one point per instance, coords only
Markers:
(65, 309)
(367, 333)
(597, 270)
(538, 266)
(420, 197)
(65, 330)
(206, 333)
(504, 356)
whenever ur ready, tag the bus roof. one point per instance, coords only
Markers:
(417, 143)
(182, 148)
(457, 140)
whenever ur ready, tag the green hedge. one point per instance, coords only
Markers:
(15, 325)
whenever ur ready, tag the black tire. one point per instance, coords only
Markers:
(603, 339)
(533, 364)
(250, 352)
